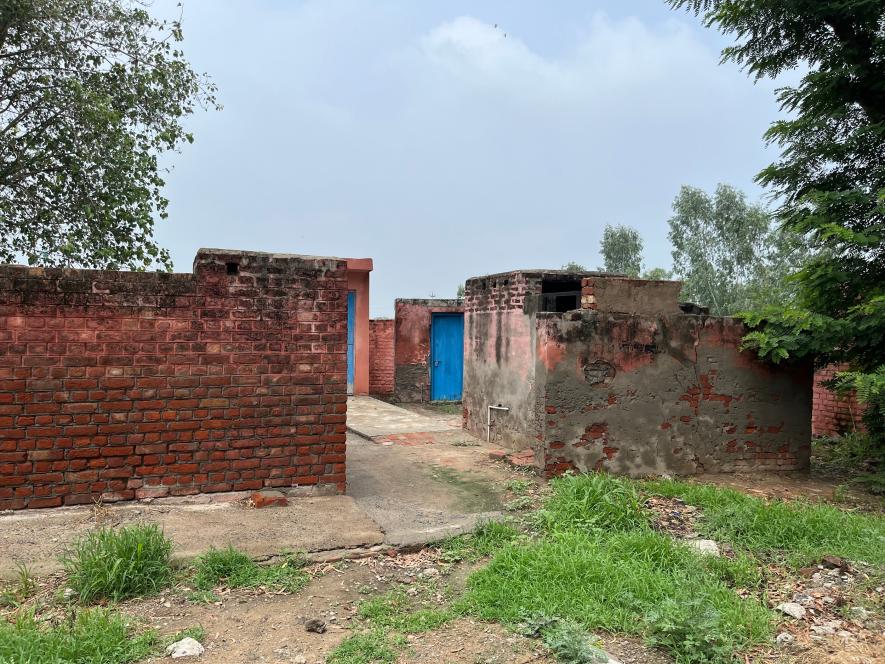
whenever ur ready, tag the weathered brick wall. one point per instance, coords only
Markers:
(641, 395)
(381, 357)
(412, 345)
(833, 415)
(627, 383)
(120, 385)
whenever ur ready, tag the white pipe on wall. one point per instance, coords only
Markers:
(489, 420)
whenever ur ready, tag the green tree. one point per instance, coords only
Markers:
(571, 266)
(657, 273)
(91, 93)
(621, 250)
(830, 177)
(728, 253)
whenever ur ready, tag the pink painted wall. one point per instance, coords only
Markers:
(358, 270)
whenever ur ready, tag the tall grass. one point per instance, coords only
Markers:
(798, 531)
(117, 564)
(94, 636)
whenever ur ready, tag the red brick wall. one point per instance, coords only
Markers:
(123, 385)
(381, 356)
(832, 415)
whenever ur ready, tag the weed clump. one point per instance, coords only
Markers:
(235, 569)
(374, 646)
(116, 564)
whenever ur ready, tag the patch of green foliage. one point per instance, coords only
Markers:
(372, 647)
(799, 531)
(598, 564)
(484, 541)
(201, 597)
(394, 611)
(116, 564)
(12, 595)
(829, 179)
(519, 504)
(569, 642)
(519, 486)
(235, 569)
(93, 636)
(855, 454)
(595, 502)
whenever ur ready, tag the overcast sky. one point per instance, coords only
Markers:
(423, 136)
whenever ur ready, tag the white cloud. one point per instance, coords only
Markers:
(450, 150)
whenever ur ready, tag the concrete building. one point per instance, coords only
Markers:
(428, 350)
(599, 371)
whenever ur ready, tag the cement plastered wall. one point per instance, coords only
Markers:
(413, 319)
(644, 297)
(665, 394)
(499, 351)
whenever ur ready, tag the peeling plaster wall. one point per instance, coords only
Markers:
(665, 394)
(499, 358)
(412, 345)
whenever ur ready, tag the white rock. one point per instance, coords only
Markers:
(187, 647)
(823, 629)
(792, 609)
(299, 659)
(69, 594)
(705, 546)
(784, 638)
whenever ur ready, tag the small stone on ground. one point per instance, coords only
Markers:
(187, 647)
(792, 609)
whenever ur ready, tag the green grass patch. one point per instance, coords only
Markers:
(484, 541)
(13, 594)
(596, 564)
(394, 611)
(235, 569)
(116, 564)
(372, 647)
(798, 531)
(594, 503)
(93, 636)
(621, 583)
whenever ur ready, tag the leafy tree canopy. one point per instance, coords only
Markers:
(728, 253)
(830, 178)
(91, 92)
(621, 250)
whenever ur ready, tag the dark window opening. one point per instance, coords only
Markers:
(232, 268)
(560, 294)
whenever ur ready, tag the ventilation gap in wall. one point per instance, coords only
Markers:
(232, 268)
(560, 293)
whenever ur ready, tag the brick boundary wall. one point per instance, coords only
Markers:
(381, 350)
(832, 415)
(123, 385)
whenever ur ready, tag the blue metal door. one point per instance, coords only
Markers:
(446, 357)
(351, 320)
